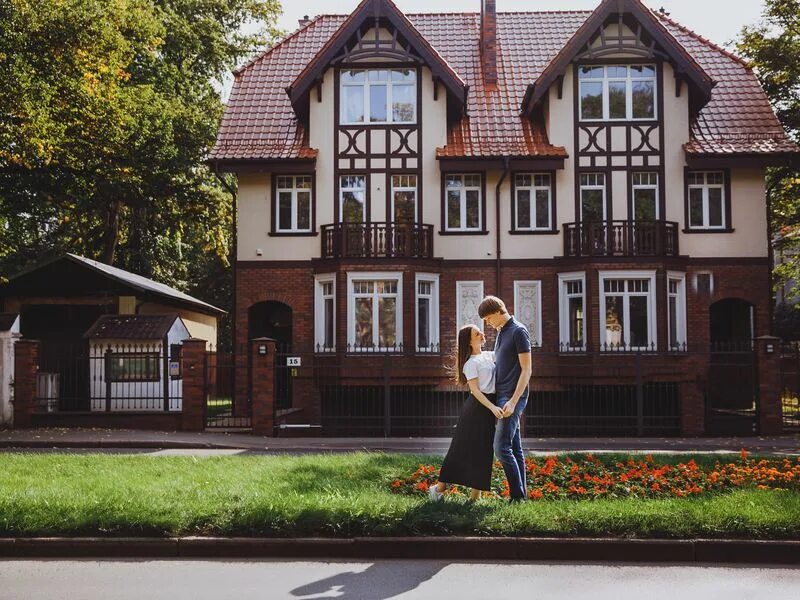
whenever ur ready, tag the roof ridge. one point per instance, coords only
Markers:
(701, 39)
(249, 63)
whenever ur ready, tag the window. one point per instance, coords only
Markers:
(132, 366)
(468, 297)
(374, 311)
(293, 205)
(463, 203)
(704, 283)
(528, 308)
(378, 96)
(645, 196)
(352, 198)
(427, 312)
(676, 310)
(325, 313)
(617, 92)
(533, 202)
(627, 309)
(593, 197)
(572, 305)
(707, 202)
(404, 198)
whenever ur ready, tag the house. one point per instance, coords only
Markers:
(59, 299)
(9, 332)
(602, 171)
(134, 363)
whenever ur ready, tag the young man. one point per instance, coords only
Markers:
(512, 353)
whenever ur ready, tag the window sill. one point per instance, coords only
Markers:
(726, 230)
(481, 232)
(293, 233)
(534, 232)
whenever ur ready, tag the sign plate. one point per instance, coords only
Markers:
(293, 361)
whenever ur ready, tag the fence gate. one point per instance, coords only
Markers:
(732, 390)
(228, 400)
(790, 386)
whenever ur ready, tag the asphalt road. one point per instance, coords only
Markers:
(381, 580)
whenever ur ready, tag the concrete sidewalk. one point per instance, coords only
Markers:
(100, 439)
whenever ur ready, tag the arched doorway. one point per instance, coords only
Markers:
(274, 320)
(732, 396)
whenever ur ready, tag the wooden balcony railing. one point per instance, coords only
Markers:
(377, 240)
(621, 238)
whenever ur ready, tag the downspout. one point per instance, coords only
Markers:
(506, 169)
(233, 259)
(771, 258)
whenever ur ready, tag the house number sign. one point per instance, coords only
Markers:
(293, 361)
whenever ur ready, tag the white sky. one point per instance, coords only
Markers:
(717, 20)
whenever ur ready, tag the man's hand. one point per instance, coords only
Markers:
(508, 408)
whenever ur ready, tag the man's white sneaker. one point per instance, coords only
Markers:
(435, 494)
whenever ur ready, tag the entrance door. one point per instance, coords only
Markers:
(732, 397)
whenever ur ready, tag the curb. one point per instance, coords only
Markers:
(146, 444)
(785, 552)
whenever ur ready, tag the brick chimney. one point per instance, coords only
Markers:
(489, 41)
(304, 21)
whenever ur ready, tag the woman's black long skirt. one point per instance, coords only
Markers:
(470, 457)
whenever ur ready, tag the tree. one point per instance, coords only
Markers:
(773, 49)
(107, 111)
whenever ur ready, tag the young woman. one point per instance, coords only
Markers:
(470, 457)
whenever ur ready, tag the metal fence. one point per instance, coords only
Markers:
(115, 378)
(228, 392)
(790, 385)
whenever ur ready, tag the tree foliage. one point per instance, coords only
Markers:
(773, 49)
(107, 110)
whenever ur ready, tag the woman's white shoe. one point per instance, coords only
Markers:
(434, 494)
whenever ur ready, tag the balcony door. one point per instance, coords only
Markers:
(593, 197)
(353, 199)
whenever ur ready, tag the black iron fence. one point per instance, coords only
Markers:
(790, 385)
(228, 392)
(108, 378)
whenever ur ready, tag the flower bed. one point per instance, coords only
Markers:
(589, 477)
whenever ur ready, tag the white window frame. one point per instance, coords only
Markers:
(414, 188)
(463, 189)
(343, 189)
(460, 286)
(629, 80)
(696, 282)
(351, 305)
(319, 312)
(535, 329)
(645, 186)
(652, 323)
(563, 310)
(433, 317)
(366, 84)
(294, 190)
(680, 311)
(595, 186)
(705, 187)
(532, 189)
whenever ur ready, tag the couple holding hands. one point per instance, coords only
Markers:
(489, 423)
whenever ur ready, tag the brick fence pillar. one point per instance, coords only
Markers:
(263, 385)
(26, 367)
(768, 360)
(193, 368)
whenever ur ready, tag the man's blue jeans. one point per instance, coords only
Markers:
(508, 448)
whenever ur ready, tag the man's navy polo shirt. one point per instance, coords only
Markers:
(512, 340)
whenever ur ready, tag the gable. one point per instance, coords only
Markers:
(622, 28)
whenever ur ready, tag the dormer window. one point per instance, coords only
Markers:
(378, 96)
(617, 92)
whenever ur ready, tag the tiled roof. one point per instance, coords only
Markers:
(131, 327)
(7, 321)
(259, 122)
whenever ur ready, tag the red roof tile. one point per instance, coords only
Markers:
(259, 122)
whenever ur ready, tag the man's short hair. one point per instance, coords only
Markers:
(491, 305)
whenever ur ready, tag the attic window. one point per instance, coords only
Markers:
(617, 92)
(378, 96)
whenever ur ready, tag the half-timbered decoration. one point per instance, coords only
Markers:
(602, 171)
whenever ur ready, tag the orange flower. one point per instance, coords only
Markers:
(422, 486)
(536, 494)
(744, 454)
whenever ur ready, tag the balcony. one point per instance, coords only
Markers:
(621, 238)
(377, 240)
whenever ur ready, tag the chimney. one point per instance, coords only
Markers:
(304, 21)
(489, 41)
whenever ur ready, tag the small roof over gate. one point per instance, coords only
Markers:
(131, 327)
(9, 322)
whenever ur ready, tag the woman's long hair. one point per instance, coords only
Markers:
(462, 353)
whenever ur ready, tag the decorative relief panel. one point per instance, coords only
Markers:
(528, 308)
(468, 296)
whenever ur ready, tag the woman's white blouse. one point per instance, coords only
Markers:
(481, 366)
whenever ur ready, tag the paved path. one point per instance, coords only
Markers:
(381, 580)
(110, 439)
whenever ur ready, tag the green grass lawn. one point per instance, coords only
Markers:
(335, 496)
